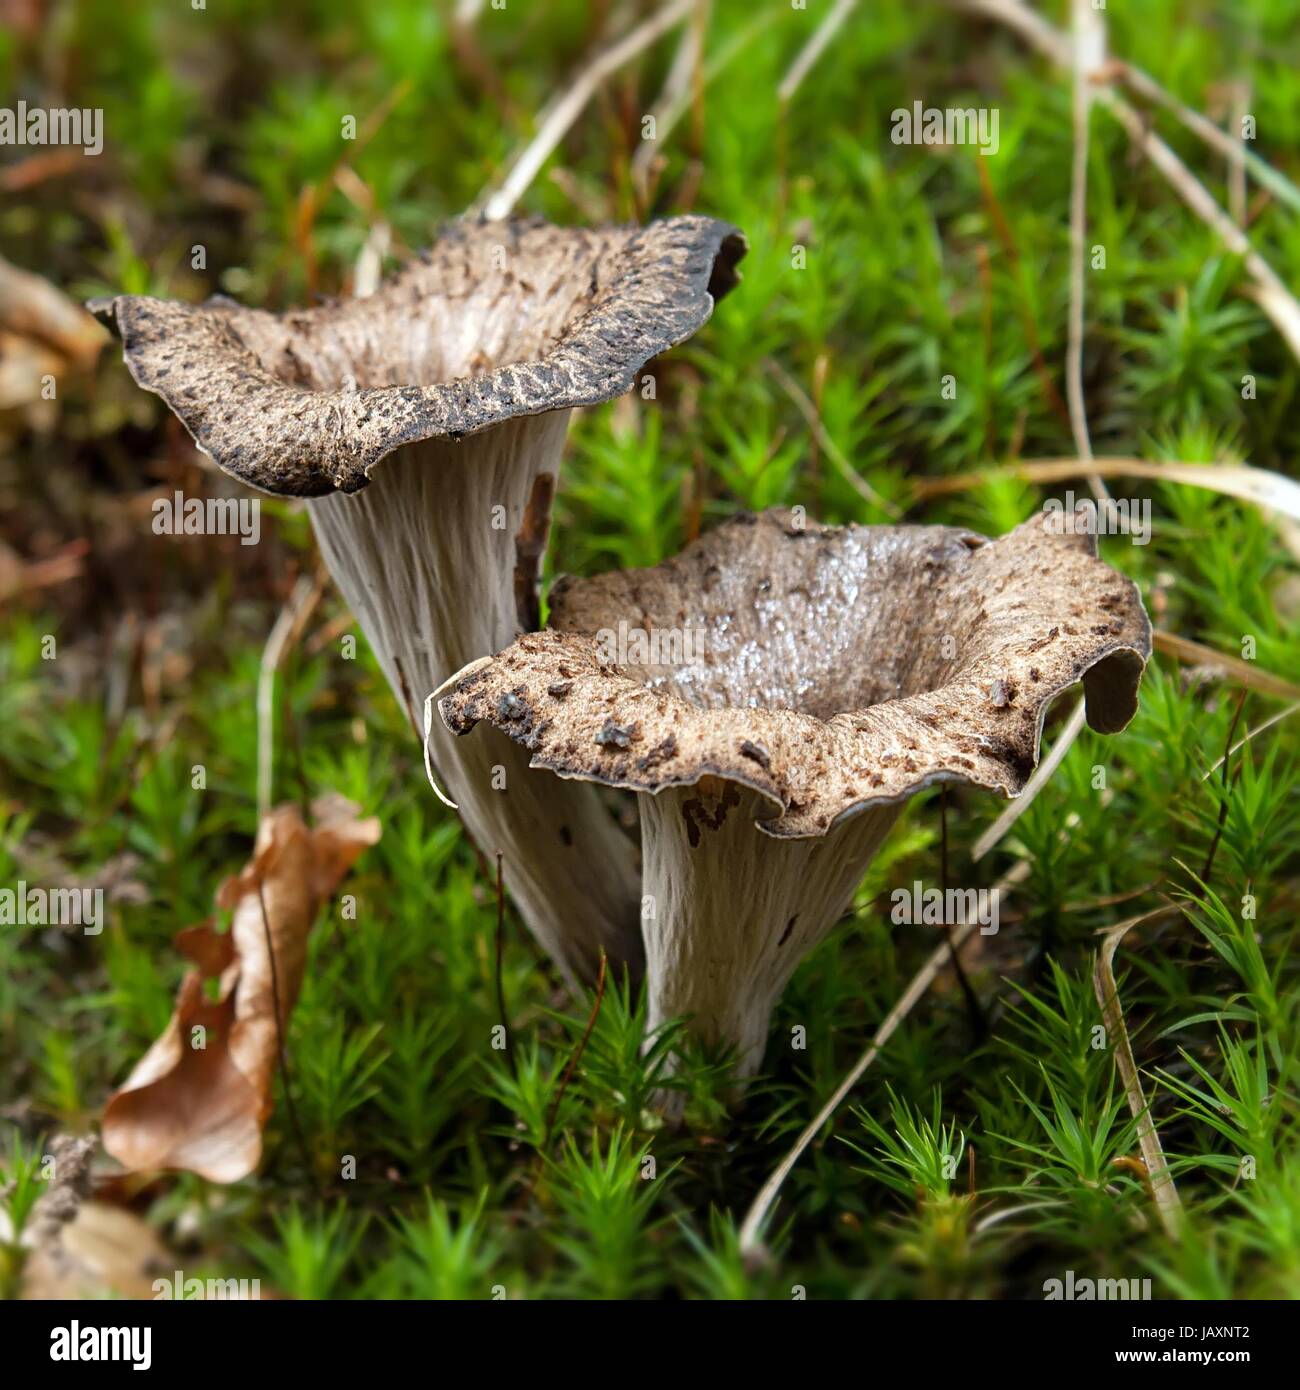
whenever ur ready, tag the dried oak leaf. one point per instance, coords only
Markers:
(200, 1096)
(104, 1252)
(42, 333)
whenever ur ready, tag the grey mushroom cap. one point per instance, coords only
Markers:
(837, 668)
(496, 320)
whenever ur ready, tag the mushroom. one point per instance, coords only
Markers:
(425, 425)
(835, 673)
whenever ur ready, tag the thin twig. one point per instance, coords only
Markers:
(1036, 31)
(1237, 152)
(1251, 733)
(1028, 323)
(1276, 495)
(430, 704)
(1272, 490)
(1088, 50)
(1246, 672)
(1163, 1190)
(671, 108)
(1239, 155)
(579, 1050)
(979, 1022)
(1042, 774)
(813, 49)
(500, 942)
(1110, 899)
(302, 600)
(1227, 788)
(1270, 292)
(682, 83)
(281, 1050)
(751, 1244)
(405, 687)
(832, 450)
(311, 197)
(570, 105)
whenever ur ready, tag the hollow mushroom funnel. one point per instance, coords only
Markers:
(425, 423)
(832, 674)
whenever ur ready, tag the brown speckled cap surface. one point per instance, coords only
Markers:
(831, 668)
(498, 319)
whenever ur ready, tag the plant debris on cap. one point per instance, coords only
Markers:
(498, 319)
(839, 667)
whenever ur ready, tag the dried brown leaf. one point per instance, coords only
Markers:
(200, 1096)
(32, 308)
(104, 1251)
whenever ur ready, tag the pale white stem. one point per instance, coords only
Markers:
(437, 558)
(730, 911)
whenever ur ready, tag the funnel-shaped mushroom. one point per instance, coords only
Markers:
(426, 422)
(831, 674)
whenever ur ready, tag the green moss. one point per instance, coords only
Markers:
(472, 1175)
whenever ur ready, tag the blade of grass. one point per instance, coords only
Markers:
(1163, 1191)
(1195, 654)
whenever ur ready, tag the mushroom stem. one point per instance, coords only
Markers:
(729, 911)
(426, 422)
(833, 673)
(438, 558)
